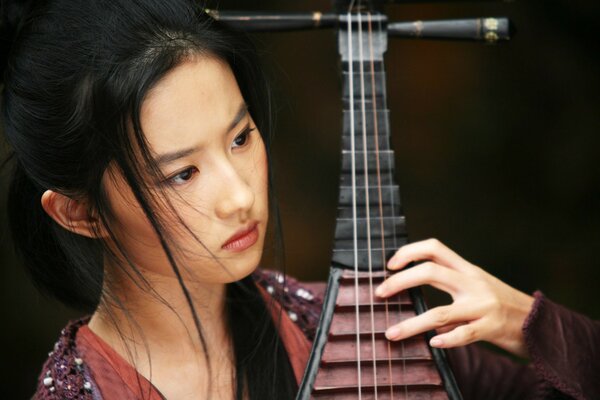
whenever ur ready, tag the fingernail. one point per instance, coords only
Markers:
(380, 291)
(392, 333)
(436, 342)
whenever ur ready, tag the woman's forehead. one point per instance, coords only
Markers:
(192, 104)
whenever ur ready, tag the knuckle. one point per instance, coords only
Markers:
(428, 269)
(442, 316)
(494, 303)
(497, 325)
(469, 334)
(435, 244)
(490, 302)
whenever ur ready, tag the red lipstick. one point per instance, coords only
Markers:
(242, 239)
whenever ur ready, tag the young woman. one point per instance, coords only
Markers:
(140, 132)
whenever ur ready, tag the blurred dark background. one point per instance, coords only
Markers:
(496, 151)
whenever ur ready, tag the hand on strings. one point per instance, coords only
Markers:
(483, 307)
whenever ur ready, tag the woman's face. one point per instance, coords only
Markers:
(207, 145)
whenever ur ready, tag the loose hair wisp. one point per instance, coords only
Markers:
(75, 74)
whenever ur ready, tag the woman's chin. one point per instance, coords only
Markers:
(223, 269)
(241, 270)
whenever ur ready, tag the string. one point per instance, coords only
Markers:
(353, 171)
(367, 202)
(378, 166)
(395, 246)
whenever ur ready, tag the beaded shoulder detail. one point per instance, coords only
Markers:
(302, 304)
(64, 374)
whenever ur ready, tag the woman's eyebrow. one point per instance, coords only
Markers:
(167, 158)
(175, 155)
(241, 113)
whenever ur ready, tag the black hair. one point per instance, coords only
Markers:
(75, 75)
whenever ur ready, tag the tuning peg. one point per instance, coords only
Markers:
(484, 29)
(265, 21)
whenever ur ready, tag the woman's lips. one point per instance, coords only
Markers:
(242, 240)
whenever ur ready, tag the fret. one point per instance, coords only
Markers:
(414, 348)
(357, 88)
(390, 196)
(343, 322)
(381, 117)
(345, 258)
(385, 178)
(374, 211)
(347, 296)
(357, 103)
(365, 65)
(377, 245)
(423, 373)
(383, 141)
(385, 159)
(383, 393)
(369, 76)
(392, 226)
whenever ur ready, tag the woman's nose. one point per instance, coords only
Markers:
(236, 196)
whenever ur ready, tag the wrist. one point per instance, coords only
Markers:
(516, 317)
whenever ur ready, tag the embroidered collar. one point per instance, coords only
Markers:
(65, 375)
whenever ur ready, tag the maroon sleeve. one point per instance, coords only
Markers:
(564, 349)
(482, 373)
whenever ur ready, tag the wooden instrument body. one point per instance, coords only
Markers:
(403, 370)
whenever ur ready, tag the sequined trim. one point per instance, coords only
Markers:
(64, 374)
(301, 304)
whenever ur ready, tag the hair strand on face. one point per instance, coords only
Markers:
(75, 78)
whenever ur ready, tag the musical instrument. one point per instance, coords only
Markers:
(351, 358)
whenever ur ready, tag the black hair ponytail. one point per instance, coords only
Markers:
(61, 264)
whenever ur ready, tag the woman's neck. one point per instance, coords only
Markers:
(155, 330)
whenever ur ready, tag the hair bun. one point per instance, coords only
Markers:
(12, 14)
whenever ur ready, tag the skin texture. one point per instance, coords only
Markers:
(484, 308)
(218, 189)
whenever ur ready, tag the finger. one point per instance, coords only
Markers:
(461, 336)
(432, 319)
(431, 249)
(448, 328)
(428, 273)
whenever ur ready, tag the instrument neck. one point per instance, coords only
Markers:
(370, 224)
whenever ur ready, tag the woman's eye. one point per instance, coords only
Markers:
(242, 138)
(183, 176)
